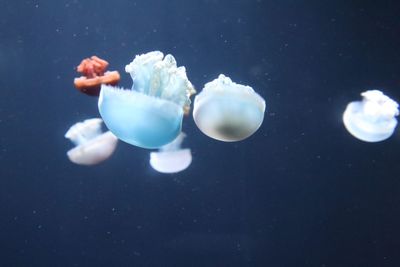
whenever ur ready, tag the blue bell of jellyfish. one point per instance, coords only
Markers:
(150, 115)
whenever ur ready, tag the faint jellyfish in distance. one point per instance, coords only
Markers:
(171, 158)
(228, 111)
(373, 118)
(94, 75)
(92, 145)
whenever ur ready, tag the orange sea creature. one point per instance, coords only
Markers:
(94, 75)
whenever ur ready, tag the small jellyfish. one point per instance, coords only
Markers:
(373, 118)
(92, 146)
(150, 115)
(95, 74)
(228, 111)
(171, 158)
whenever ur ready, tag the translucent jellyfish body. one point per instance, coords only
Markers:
(92, 145)
(373, 118)
(228, 111)
(171, 158)
(150, 115)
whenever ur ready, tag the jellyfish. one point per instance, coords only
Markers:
(150, 115)
(373, 118)
(171, 158)
(95, 74)
(92, 146)
(228, 111)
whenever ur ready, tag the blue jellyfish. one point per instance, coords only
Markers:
(150, 115)
(373, 118)
(228, 111)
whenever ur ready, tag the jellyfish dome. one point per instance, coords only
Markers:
(94, 75)
(171, 158)
(373, 119)
(92, 146)
(150, 115)
(228, 111)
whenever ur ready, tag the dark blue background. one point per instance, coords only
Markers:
(300, 192)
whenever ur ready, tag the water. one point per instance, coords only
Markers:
(300, 192)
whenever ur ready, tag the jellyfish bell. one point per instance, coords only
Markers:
(373, 119)
(94, 75)
(92, 146)
(171, 158)
(228, 111)
(150, 115)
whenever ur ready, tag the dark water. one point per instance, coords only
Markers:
(300, 192)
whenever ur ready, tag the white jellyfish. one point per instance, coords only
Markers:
(228, 111)
(171, 158)
(373, 118)
(92, 146)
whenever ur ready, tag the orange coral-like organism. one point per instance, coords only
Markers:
(94, 75)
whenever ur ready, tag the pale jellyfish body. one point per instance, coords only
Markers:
(171, 158)
(373, 119)
(228, 111)
(92, 145)
(150, 115)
